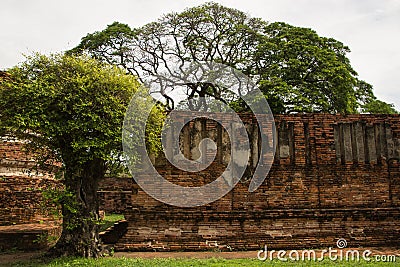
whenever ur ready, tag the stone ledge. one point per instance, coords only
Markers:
(28, 236)
(246, 230)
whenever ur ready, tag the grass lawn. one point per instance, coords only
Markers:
(115, 262)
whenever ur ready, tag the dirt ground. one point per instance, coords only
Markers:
(6, 258)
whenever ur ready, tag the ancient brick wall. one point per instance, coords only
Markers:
(21, 200)
(332, 177)
(13, 159)
(21, 187)
(115, 194)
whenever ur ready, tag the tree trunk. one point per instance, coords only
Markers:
(80, 210)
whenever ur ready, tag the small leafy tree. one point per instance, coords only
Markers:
(74, 108)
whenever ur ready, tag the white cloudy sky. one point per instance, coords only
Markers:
(371, 28)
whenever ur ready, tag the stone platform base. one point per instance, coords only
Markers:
(278, 229)
(28, 236)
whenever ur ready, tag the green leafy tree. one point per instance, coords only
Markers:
(113, 45)
(74, 108)
(304, 72)
(297, 70)
(378, 107)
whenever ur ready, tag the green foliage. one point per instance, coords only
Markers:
(111, 45)
(53, 199)
(73, 106)
(306, 72)
(71, 109)
(45, 238)
(378, 107)
(60, 197)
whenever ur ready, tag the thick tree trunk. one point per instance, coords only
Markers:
(80, 234)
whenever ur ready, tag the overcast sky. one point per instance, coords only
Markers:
(371, 28)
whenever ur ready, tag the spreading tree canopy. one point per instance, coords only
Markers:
(297, 70)
(71, 108)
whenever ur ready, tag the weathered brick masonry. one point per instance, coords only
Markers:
(21, 186)
(333, 177)
(115, 194)
(24, 218)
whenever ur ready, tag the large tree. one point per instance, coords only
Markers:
(303, 72)
(208, 33)
(297, 70)
(70, 109)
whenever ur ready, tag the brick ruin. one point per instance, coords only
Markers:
(24, 218)
(333, 176)
(21, 185)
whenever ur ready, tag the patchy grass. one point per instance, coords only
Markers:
(109, 221)
(112, 262)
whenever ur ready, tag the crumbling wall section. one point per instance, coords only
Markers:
(21, 186)
(332, 177)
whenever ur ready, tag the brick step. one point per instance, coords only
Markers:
(26, 237)
(112, 234)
